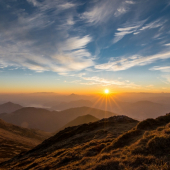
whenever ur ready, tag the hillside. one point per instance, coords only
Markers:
(79, 143)
(80, 120)
(115, 143)
(15, 139)
(50, 121)
(9, 107)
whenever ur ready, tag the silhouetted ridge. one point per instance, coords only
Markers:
(50, 121)
(72, 104)
(9, 107)
(80, 120)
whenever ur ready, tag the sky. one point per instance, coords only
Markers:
(67, 46)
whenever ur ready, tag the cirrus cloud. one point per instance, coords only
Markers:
(127, 62)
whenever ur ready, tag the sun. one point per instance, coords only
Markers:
(106, 91)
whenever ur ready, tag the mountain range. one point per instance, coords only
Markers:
(50, 121)
(117, 142)
(138, 110)
(72, 104)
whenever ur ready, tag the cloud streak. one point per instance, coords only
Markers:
(136, 28)
(69, 37)
(167, 78)
(127, 62)
(105, 82)
(162, 69)
(121, 32)
(104, 10)
(57, 50)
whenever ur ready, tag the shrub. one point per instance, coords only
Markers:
(108, 165)
(146, 124)
(159, 145)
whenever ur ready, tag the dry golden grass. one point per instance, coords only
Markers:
(15, 139)
(121, 145)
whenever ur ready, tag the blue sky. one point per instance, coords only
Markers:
(121, 44)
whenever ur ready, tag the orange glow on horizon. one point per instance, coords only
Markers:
(88, 90)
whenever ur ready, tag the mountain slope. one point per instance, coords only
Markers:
(75, 145)
(80, 120)
(50, 121)
(9, 107)
(15, 139)
(114, 143)
(30, 117)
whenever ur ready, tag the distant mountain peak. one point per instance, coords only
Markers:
(9, 107)
(73, 94)
(9, 103)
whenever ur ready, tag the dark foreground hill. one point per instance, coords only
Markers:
(50, 121)
(14, 139)
(9, 107)
(74, 146)
(117, 143)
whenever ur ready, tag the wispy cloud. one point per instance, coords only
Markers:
(67, 5)
(167, 78)
(71, 36)
(72, 56)
(121, 32)
(106, 82)
(136, 28)
(76, 43)
(95, 80)
(130, 2)
(57, 50)
(154, 24)
(167, 45)
(128, 62)
(104, 10)
(47, 4)
(162, 69)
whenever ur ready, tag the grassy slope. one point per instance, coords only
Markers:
(15, 139)
(106, 144)
(74, 146)
(80, 120)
